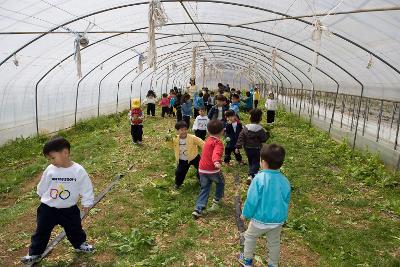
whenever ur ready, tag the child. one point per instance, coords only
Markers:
(60, 187)
(186, 109)
(198, 103)
(271, 105)
(164, 103)
(217, 112)
(150, 100)
(248, 101)
(211, 102)
(256, 96)
(136, 118)
(186, 148)
(232, 132)
(210, 168)
(235, 104)
(177, 106)
(266, 206)
(251, 138)
(200, 124)
(172, 102)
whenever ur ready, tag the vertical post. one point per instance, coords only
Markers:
(343, 101)
(36, 108)
(358, 116)
(393, 113)
(352, 116)
(334, 107)
(325, 104)
(312, 103)
(290, 99)
(130, 96)
(379, 120)
(397, 133)
(301, 99)
(116, 111)
(76, 101)
(365, 116)
(98, 100)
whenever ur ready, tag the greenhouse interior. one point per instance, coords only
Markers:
(105, 105)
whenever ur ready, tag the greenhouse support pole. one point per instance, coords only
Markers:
(397, 133)
(343, 105)
(352, 116)
(98, 100)
(334, 107)
(301, 99)
(379, 121)
(358, 116)
(76, 101)
(325, 104)
(365, 116)
(393, 113)
(130, 97)
(116, 109)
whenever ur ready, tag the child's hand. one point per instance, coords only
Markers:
(217, 165)
(237, 151)
(242, 218)
(86, 210)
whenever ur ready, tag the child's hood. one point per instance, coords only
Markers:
(254, 127)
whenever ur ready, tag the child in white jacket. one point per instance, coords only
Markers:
(200, 124)
(60, 187)
(271, 105)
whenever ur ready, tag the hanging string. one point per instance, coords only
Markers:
(370, 62)
(140, 63)
(194, 58)
(157, 19)
(81, 40)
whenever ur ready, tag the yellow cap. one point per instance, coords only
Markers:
(135, 103)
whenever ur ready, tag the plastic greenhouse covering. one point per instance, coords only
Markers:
(349, 46)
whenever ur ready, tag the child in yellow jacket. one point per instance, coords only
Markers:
(186, 147)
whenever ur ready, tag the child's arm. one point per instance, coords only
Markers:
(86, 191)
(43, 184)
(217, 155)
(264, 136)
(199, 142)
(241, 140)
(196, 124)
(251, 203)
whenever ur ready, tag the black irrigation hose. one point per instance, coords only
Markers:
(238, 211)
(61, 235)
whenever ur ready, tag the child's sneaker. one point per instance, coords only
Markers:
(196, 214)
(85, 247)
(215, 205)
(139, 143)
(249, 179)
(30, 259)
(244, 261)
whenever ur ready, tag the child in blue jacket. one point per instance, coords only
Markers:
(266, 206)
(187, 109)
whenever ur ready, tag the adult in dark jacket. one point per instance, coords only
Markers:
(251, 139)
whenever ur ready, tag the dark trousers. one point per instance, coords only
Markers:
(187, 120)
(151, 108)
(171, 111)
(270, 116)
(195, 113)
(201, 134)
(48, 218)
(183, 168)
(164, 110)
(255, 103)
(137, 133)
(253, 156)
(178, 114)
(228, 152)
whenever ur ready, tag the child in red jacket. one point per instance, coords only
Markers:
(210, 168)
(136, 118)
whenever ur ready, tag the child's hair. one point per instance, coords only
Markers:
(171, 91)
(201, 94)
(212, 93)
(151, 93)
(274, 155)
(165, 95)
(215, 127)
(56, 144)
(229, 113)
(236, 96)
(247, 93)
(220, 98)
(186, 97)
(202, 108)
(180, 125)
(255, 115)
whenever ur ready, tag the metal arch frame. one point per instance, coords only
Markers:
(202, 1)
(220, 24)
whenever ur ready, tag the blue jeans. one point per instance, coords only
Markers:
(253, 156)
(205, 183)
